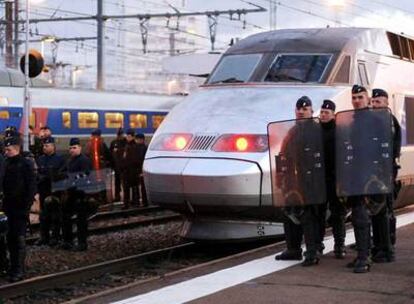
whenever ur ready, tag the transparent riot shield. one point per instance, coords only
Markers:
(364, 152)
(297, 163)
(93, 182)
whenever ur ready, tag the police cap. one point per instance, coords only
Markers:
(74, 141)
(356, 89)
(302, 102)
(328, 104)
(11, 131)
(130, 132)
(96, 132)
(48, 140)
(139, 136)
(12, 141)
(379, 93)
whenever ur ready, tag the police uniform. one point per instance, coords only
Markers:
(142, 150)
(383, 223)
(49, 166)
(4, 262)
(117, 148)
(336, 208)
(19, 188)
(361, 215)
(130, 168)
(307, 225)
(74, 202)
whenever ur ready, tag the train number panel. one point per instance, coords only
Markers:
(297, 162)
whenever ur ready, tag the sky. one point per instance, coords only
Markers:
(396, 15)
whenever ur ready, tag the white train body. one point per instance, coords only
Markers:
(227, 195)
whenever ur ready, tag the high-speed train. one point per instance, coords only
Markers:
(209, 159)
(74, 112)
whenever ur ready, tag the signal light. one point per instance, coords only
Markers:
(171, 142)
(241, 143)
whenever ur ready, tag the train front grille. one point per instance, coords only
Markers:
(201, 142)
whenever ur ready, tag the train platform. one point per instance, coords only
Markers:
(259, 278)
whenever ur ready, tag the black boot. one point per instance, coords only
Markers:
(339, 251)
(18, 269)
(287, 255)
(310, 259)
(362, 266)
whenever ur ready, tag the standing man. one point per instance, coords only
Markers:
(384, 223)
(362, 168)
(19, 188)
(300, 216)
(142, 149)
(336, 208)
(49, 165)
(117, 148)
(4, 262)
(74, 202)
(130, 167)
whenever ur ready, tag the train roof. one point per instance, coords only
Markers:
(315, 40)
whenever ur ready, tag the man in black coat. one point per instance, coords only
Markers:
(74, 202)
(4, 262)
(142, 149)
(117, 148)
(336, 208)
(130, 168)
(19, 188)
(49, 164)
(384, 223)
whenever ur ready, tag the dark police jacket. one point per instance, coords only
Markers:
(48, 168)
(131, 162)
(19, 185)
(329, 151)
(117, 149)
(142, 149)
(80, 163)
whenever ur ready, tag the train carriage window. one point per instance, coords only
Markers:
(4, 115)
(114, 120)
(157, 120)
(235, 68)
(32, 120)
(66, 120)
(363, 74)
(298, 68)
(409, 120)
(342, 76)
(88, 120)
(137, 121)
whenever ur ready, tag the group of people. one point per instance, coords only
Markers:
(25, 174)
(310, 221)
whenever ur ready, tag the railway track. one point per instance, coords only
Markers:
(108, 215)
(64, 278)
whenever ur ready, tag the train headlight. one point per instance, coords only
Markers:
(171, 142)
(241, 143)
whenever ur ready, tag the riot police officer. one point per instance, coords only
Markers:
(306, 223)
(74, 200)
(363, 170)
(117, 148)
(49, 165)
(142, 149)
(336, 208)
(19, 188)
(384, 223)
(4, 262)
(130, 167)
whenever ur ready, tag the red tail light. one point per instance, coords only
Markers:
(241, 143)
(171, 142)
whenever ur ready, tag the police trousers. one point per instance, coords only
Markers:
(361, 220)
(307, 229)
(75, 204)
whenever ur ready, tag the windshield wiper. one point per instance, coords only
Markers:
(228, 80)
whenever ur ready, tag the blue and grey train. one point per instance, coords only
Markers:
(73, 112)
(209, 159)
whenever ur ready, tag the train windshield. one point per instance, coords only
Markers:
(235, 68)
(298, 68)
